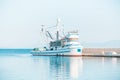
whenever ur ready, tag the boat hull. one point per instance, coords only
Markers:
(71, 52)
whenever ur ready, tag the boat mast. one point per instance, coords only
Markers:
(57, 35)
(57, 26)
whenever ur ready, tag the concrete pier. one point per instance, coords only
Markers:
(101, 52)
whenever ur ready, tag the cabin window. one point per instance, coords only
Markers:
(73, 39)
(78, 50)
(55, 43)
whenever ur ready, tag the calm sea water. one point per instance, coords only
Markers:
(21, 65)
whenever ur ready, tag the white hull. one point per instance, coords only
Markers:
(67, 52)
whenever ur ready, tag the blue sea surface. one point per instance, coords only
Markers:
(19, 64)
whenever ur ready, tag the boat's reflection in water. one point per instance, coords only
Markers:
(74, 68)
(65, 67)
(60, 67)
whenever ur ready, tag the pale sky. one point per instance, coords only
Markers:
(21, 20)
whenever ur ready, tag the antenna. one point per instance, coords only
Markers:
(58, 26)
(42, 29)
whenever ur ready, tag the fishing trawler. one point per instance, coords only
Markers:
(68, 45)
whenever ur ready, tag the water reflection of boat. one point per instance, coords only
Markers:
(60, 68)
(65, 45)
(74, 68)
(71, 66)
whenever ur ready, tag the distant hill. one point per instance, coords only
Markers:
(108, 44)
